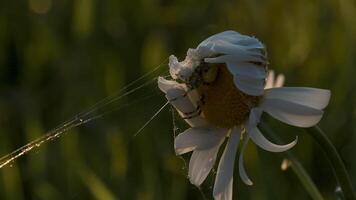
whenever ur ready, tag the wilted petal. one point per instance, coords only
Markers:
(258, 138)
(164, 85)
(292, 113)
(174, 67)
(199, 138)
(311, 97)
(225, 171)
(242, 170)
(200, 164)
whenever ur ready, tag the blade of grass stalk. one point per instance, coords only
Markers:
(335, 160)
(96, 186)
(296, 166)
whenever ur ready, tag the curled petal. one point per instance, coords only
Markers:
(258, 138)
(242, 170)
(254, 117)
(225, 171)
(224, 47)
(250, 86)
(248, 77)
(231, 45)
(247, 69)
(292, 113)
(311, 97)
(232, 38)
(240, 58)
(200, 138)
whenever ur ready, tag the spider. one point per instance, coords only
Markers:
(219, 99)
(203, 75)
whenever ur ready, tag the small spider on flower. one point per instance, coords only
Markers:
(221, 90)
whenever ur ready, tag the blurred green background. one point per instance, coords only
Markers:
(58, 58)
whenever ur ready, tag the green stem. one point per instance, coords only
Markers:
(296, 166)
(304, 177)
(335, 160)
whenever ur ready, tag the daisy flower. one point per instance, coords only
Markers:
(221, 90)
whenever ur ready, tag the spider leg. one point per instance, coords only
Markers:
(197, 109)
(179, 97)
(185, 94)
(196, 112)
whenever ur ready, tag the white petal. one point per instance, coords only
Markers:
(242, 170)
(292, 113)
(311, 97)
(229, 36)
(279, 81)
(247, 69)
(226, 35)
(232, 37)
(227, 193)
(226, 166)
(200, 164)
(250, 86)
(258, 138)
(198, 138)
(236, 58)
(273, 82)
(251, 43)
(254, 117)
(270, 80)
(224, 47)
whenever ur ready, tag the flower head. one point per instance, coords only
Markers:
(221, 90)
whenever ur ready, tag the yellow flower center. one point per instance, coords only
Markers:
(223, 104)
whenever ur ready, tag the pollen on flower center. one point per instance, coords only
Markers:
(223, 104)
